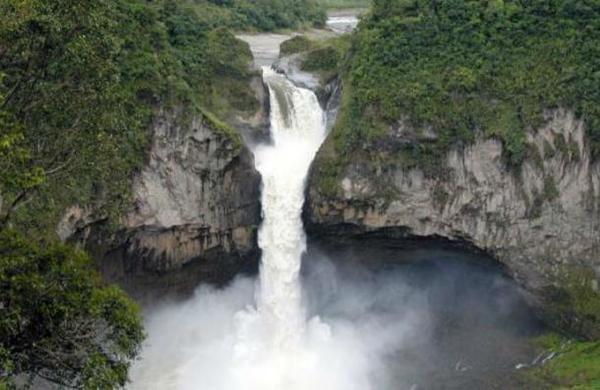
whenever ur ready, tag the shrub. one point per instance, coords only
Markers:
(550, 191)
(573, 303)
(294, 45)
(58, 322)
(321, 60)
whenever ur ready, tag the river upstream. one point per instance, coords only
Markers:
(334, 317)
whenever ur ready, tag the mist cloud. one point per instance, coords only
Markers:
(370, 328)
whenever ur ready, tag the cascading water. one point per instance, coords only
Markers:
(298, 129)
(269, 345)
(269, 353)
(382, 329)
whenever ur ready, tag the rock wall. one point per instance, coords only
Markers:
(195, 215)
(532, 221)
(254, 128)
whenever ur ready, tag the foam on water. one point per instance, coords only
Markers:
(269, 344)
(271, 352)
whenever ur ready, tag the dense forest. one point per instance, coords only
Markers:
(96, 75)
(460, 68)
(80, 83)
(262, 15)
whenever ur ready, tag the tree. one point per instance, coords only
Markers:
(76, 124)
(65, 136)
(14, 176)
(58, 322)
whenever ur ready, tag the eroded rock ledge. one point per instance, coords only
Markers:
(532, 221)
(195, 216)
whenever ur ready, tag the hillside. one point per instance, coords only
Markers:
(91, 93)
(477, 124)
(458, 69)
(96, 74)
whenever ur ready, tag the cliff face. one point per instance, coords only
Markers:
(197, 179)
(532, 221)
(195, 207)
(195, 215)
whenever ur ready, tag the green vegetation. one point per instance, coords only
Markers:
(575, 366)
(57, 321)
(323, 57)
(550, 190)
(572, 308)
(345, 4)
(573, 303)
(262, 15)
(461, 68)
(294, 45)
(80, 84)
(569, 148)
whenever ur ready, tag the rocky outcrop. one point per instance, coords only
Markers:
(195, 215)
(291, 66)
(533, 221)
(195, 210)
(328, 92)
(255, 128)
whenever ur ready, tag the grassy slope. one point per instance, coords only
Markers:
(575, 366)
(572, 307)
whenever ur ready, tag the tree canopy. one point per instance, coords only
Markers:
(80, 83)
(65, 107)
(465, 67)
(58, 322)
(258, 15)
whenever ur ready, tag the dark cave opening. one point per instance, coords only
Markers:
(455, 318)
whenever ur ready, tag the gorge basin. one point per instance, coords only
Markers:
(340, 316)
(403, 319)
(431, 316)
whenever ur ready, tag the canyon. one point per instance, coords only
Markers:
(197, 203)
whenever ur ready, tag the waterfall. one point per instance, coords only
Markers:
(298, 129)
(230, 339)
(273, 332)
(379, 331)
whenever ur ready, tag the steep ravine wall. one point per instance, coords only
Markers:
(195, 210)
(532, 221)
(195, 213)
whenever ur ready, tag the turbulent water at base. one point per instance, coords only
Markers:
(270, 351)
(269, 345)
(345, 323)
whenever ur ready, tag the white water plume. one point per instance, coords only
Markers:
(298, 129)
(270, 344)
(381, 330)
(271, 350)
